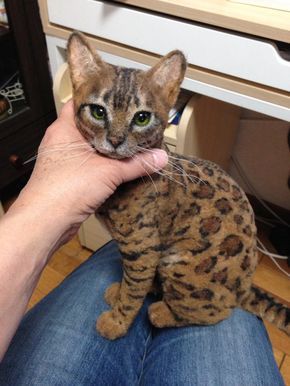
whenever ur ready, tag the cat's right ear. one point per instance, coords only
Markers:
(83, 61)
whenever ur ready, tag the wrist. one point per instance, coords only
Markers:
(41, 225)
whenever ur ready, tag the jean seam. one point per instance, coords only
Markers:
(144, 357)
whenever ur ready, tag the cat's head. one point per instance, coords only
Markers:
(120, 110)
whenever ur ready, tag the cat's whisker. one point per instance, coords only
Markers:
(191, 162)
(141, 163)
(167, 175)
(181, 171)
(65, 144)
(31, 159)
(62, 148)
(163, 173)
(192, 178)
(81, 153)
(85, 160)
(52, 149)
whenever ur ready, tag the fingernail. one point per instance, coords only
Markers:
(160, 158)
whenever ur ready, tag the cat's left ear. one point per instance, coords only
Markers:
(168, 74)
(82, 59)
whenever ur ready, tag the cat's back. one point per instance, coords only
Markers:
(207, 196)
(211, 240)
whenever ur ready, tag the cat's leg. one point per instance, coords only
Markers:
(127, 300)
(188, 298)
(160, 315)
(112, 293)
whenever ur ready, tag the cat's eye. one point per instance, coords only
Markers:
(142, 118)
(98, 112)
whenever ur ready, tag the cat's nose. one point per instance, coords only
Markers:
(116, 140)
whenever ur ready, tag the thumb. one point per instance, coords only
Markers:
(143, 164)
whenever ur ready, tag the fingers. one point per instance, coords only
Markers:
(63, 129)
(142, 164)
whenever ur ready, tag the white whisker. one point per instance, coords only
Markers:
(85, 160)
(91, 151)
(55, 149)
(163, 173)
(186, 160)
(179, 169)
(141, 163)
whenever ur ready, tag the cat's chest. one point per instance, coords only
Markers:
(136, 205)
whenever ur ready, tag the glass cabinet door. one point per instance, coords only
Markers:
(12, 93)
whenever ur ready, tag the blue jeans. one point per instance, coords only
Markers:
(57, 344)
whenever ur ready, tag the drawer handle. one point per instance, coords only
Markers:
(16, 161)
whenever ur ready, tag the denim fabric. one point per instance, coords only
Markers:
(57, 344)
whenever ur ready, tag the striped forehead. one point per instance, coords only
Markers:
(124, 91)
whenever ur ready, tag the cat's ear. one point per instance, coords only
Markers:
(82, 59)
(168, 74)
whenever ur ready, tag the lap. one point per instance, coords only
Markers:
(57, 344)
(233, 352)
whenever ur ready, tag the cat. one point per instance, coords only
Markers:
(187, 231)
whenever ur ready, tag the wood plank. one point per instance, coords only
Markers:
(278, 338)
(35, 298)
(285, 370)
(271, 279)
(269, 23)
(63, 263)
(279, 356)
(49, 279)
(72, 248)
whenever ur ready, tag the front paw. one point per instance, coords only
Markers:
(111, 327)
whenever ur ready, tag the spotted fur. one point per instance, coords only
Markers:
(191, 237)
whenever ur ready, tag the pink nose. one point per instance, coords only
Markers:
(116, 140)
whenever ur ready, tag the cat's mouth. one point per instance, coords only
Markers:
(116, 154)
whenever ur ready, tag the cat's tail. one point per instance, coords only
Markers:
(267, 307)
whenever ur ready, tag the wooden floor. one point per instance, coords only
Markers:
(267, 277)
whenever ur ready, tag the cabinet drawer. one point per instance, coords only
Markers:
(15, 150)
(241, 56)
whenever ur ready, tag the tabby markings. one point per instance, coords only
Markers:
(210, 225)
(204, 294)
(231, 246)
(206, 265)
(223, 206)
(206, 191)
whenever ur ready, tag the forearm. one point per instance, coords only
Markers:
(28, 237)
(68, 183)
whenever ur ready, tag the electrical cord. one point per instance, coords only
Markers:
(266, 221)
(253, 190)
(272, 256)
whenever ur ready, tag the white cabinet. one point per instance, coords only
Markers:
(245, 57)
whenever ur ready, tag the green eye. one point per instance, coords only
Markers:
(98, 112)
(142, 118)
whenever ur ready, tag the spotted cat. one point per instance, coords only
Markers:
(189, 231)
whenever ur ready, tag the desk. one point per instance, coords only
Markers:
(232, 55)
(257, 21)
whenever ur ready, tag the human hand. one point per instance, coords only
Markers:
(70, 181)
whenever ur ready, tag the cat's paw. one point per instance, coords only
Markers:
(112, 294)
(110, 327)
(160, 315)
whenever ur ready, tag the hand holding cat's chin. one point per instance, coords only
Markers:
(68, 185)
